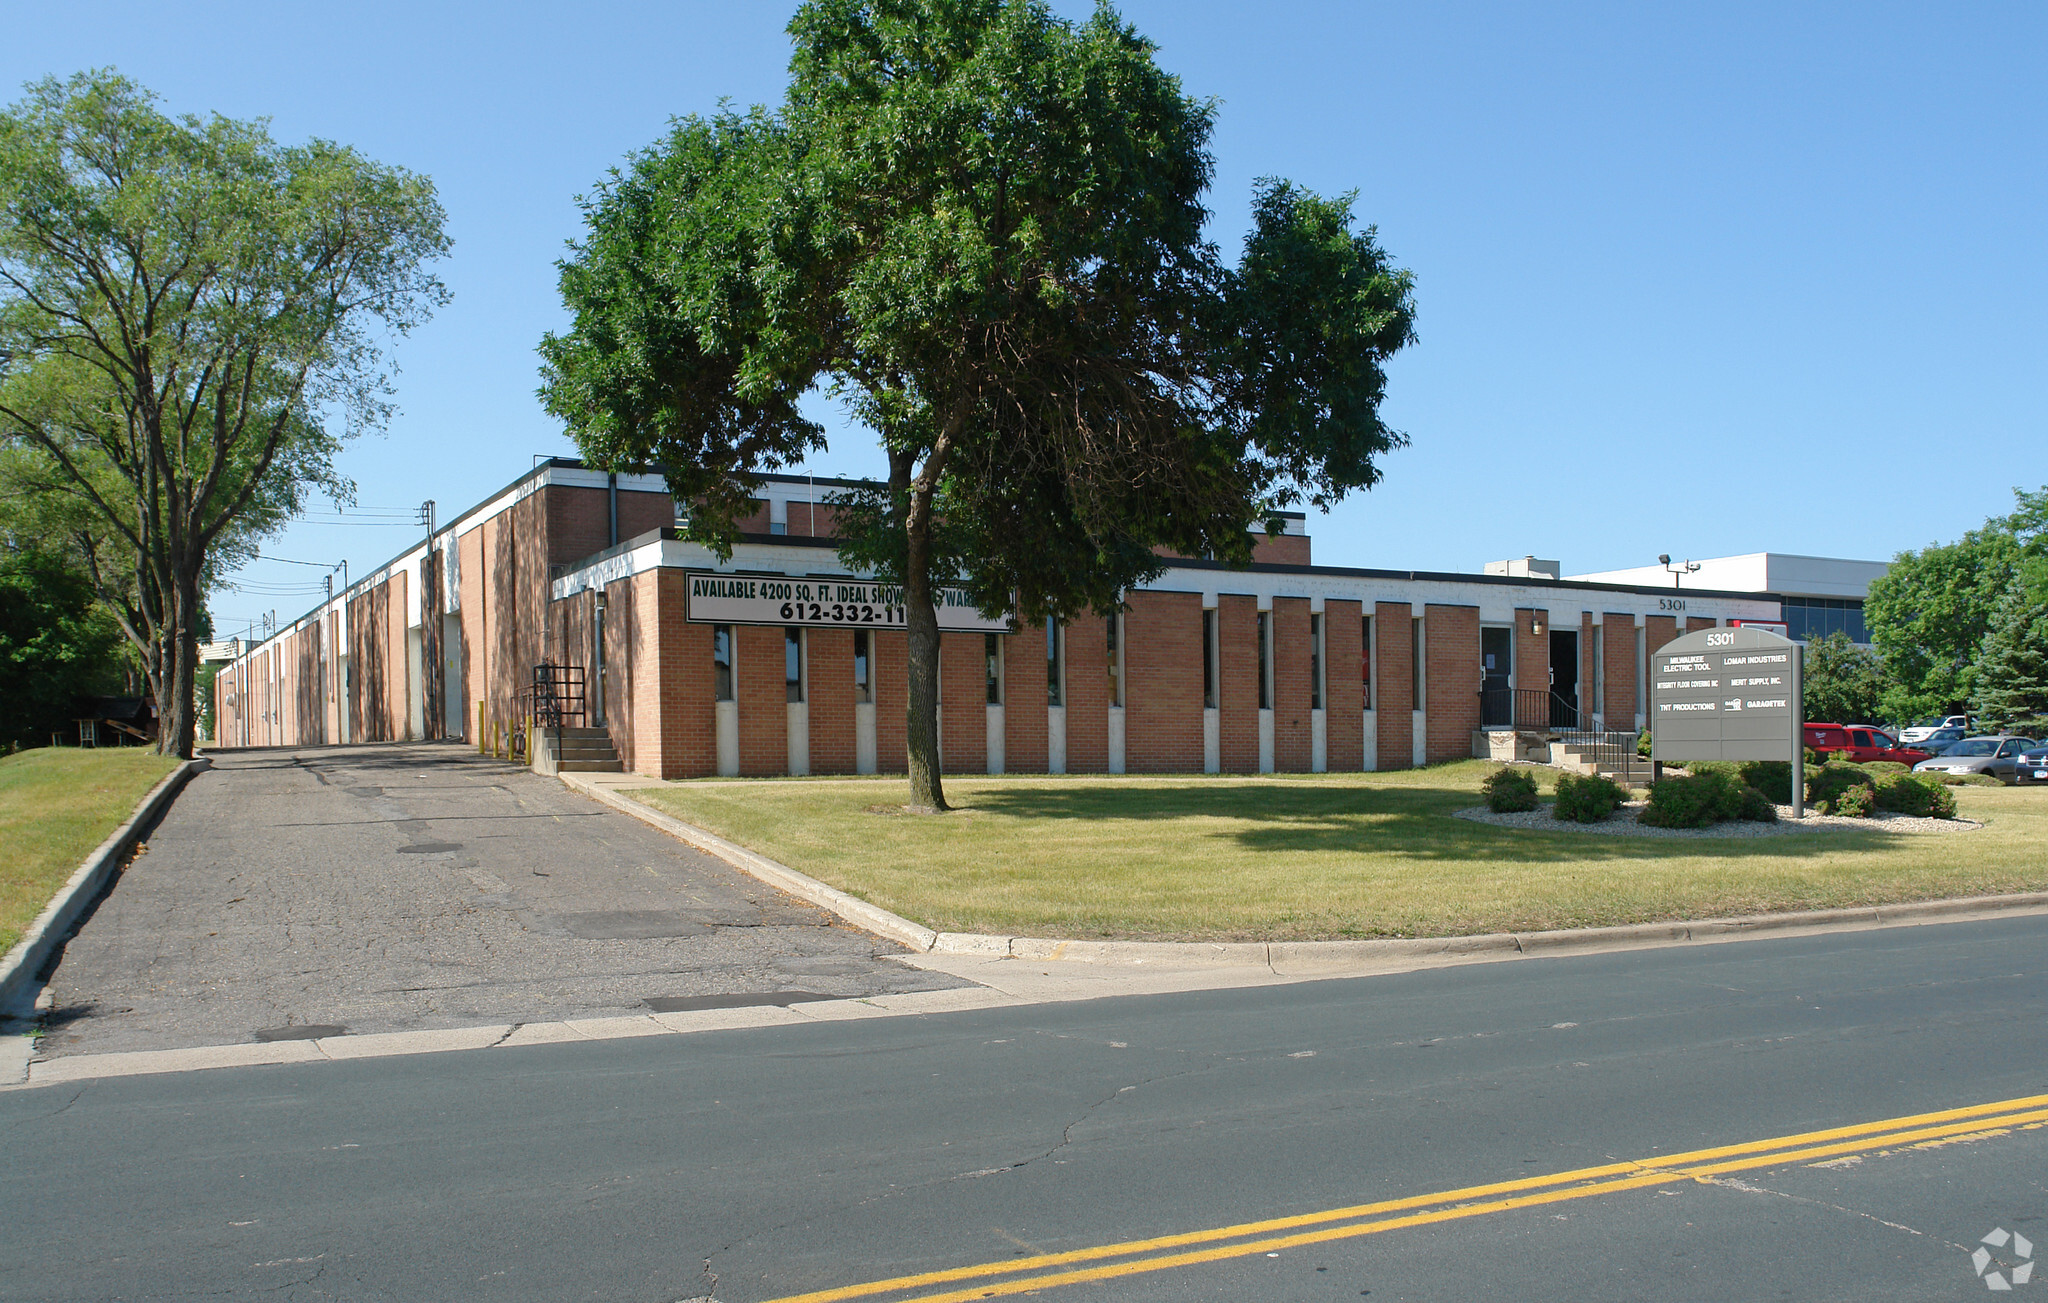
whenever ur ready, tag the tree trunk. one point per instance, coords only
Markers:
(921, 622)
(176, 707)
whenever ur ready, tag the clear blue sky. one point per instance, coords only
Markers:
(1692, 279)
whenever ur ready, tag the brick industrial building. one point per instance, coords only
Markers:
(695, 666)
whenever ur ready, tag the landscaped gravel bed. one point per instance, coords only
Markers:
(1623, 823)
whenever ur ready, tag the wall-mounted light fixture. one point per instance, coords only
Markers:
(1536, 624)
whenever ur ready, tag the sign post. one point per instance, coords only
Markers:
(1730, 694)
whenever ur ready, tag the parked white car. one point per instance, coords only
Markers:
(1927, 728)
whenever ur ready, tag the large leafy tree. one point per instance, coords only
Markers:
(1843, 682)
(57, 644)
(193, 318)
(981, 226)
(1930, 613)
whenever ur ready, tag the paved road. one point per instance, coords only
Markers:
(420, 886)
(753, 1165)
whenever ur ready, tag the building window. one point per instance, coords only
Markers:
(1415, 663)
(1265, 661)
(1809, 619)
(1208, 658)
(721, 662)
(1365, 660)
(1116, 658)
(863, 679)
(1315, 662)
(793, 663)
(1055, 673)
(992, 652)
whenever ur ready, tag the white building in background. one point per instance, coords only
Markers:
(1820, 595)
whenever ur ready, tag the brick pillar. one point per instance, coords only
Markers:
(1658, 630)
(759, 684)
(1343, 685)
(1618, 648)
(891, 651)
(830, 692)
(1088, 695)
(1452, 680)
(676, 707)
(1532, 654)
(1293, 734)
(1587, 685)
(1396, 700)
(1163, 694)
(1024, 701)
(963, 704)
(1237, 636)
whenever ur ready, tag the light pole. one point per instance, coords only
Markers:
(1679, 571)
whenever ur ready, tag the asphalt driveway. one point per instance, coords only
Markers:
(290, 893)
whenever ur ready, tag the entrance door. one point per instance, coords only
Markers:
(1564, 678)
(1496, 678)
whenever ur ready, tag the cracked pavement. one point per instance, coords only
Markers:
(289, 893)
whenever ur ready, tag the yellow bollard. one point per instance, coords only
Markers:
(480, 728)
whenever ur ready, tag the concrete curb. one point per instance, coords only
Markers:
(1289, 958)
(53, 926)
(851, 908)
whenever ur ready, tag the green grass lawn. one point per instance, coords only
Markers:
(1319, 856)
(56, 804)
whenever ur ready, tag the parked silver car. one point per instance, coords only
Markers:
(1996, 755)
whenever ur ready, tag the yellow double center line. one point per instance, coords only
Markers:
(1019, 1275)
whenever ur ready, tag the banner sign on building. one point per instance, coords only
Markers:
(827, 603)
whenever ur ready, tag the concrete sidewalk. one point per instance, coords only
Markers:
(293, 893)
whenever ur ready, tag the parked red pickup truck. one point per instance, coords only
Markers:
(1860, 743)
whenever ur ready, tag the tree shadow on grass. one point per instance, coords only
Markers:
(1414, 823)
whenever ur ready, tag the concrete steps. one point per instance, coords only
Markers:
(575, 750)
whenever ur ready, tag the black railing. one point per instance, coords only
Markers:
(1559, 718)
(555, 698)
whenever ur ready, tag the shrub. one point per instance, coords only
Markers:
(1885, 767)
(1758, 808)
(1696, 800)
(1587, 798)
(1828, 786)
(1905, 794)
(1509, 790)
(1771, 777)
(1643, 744)
(1851, 802)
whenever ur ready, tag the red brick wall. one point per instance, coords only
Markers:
(1618, 649)
(1293, 731)
(963, 704)
(1532, 652)
(1163, 698)
(1280, 549)
(1396, 727)
(1658, 630)
(476, 642)
(1088, 695)
(1452, 680)
(579, 522)
(1343, 686)
(815, 521)
(833, 743)
(640, 513)
(1024, 701)
(891, 651)
(1237, 705)
(759, 684)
